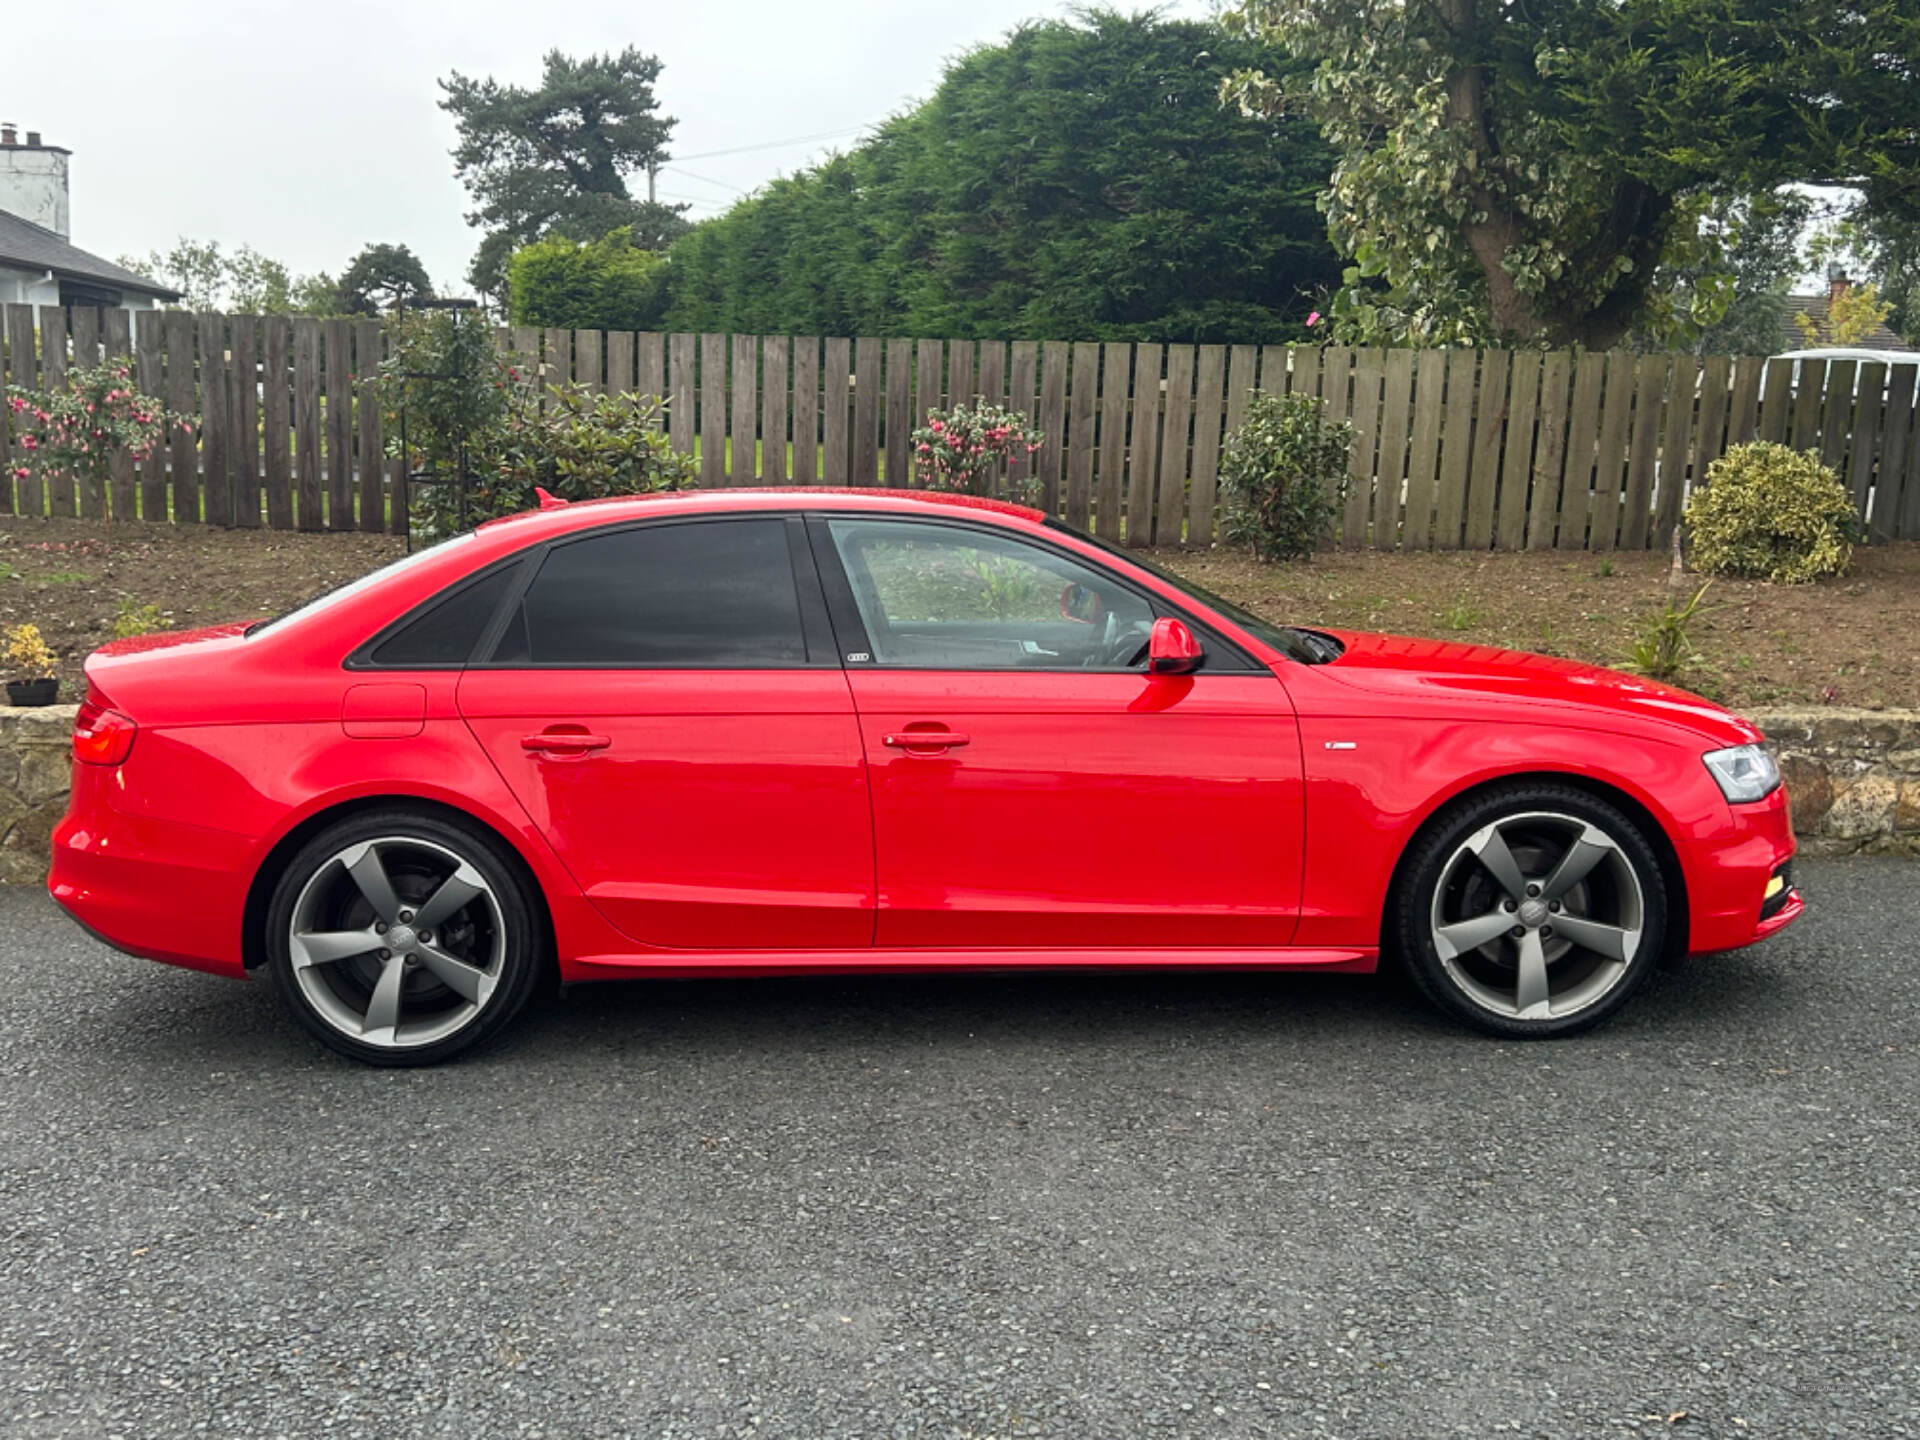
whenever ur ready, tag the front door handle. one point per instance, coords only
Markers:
(924, 740)
(564, 742)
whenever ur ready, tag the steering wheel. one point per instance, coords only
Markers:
(1122, 646)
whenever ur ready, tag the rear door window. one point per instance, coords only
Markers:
(705, 595)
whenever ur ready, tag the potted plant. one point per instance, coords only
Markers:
(32, 662)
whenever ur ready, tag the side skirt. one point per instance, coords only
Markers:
(843, 962)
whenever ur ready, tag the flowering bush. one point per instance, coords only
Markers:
(1284, 475)
(27, 653)
(82, 428)
(1768, 511)
(960, 449)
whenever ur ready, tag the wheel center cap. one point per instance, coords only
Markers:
(1533, 913)
(402, 938)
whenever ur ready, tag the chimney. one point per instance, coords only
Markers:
(33, 180)
(1838, 286)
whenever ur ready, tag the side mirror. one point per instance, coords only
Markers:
(1173, 650)
(1080, 604)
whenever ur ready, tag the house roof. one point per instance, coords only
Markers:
(34, 247)
(1814, 307)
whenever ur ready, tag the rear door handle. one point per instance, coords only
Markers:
(564, 742)
(924, 740)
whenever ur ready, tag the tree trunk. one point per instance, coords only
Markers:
(1635, 228)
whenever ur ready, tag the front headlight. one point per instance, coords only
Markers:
(1745, 772)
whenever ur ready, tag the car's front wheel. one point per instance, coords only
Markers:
(402, 939)
(1532, 910)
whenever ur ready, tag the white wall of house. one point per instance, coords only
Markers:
(37, 287)
(28, 287)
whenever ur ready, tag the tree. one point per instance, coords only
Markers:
(1722, 285)
(195, 268)
(555, 159)
(381, 277)
(1077, 179)
(245, 282)
(1519, 171)
(1852, 314)
(257, 285)
(607, 284)
(1884, 250)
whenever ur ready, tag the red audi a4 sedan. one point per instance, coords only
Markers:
(756, 732)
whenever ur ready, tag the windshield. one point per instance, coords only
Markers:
(328, 598)
(1309, 647)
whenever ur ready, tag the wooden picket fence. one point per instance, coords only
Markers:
(1453, 449)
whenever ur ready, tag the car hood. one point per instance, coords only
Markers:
(1453, 677)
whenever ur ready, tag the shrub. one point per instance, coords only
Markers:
(1284, 475)
(607, 284)
(1771, 512)
(94, 418)
(135, 619)
(579, 445)
(961, 449)
(28, 653)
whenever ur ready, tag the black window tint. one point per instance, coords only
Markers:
(712, 594)
(448, 631)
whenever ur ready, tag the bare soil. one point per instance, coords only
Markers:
(1854, 641)
(74, 578)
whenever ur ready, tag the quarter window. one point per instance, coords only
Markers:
(948, 597)
(447, 631)
(706, 595)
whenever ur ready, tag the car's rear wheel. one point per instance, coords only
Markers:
(401, 938)
(1532, 910)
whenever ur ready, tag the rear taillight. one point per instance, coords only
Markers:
(101, 736)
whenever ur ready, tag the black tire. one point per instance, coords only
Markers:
(1530, 819)
(498, 935)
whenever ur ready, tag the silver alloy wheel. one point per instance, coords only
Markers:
(1538, 916)
(397, 942)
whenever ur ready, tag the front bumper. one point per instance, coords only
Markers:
(1731, 873)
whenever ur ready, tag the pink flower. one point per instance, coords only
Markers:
(938, 426)
(1313, 319)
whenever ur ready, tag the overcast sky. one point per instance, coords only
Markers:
(308, 131)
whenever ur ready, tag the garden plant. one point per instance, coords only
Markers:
(467, 407)
(1283, 475)
(30, 667)
(92, 422)
(964, 449)
(1768, 512)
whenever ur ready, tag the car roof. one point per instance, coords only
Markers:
(563, 517)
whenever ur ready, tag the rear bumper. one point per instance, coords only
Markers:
(1729, 879)
(155, 889)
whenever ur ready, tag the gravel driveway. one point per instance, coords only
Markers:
(973, 1206)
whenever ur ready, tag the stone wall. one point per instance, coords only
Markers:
(1853, 775)
(36, 755)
